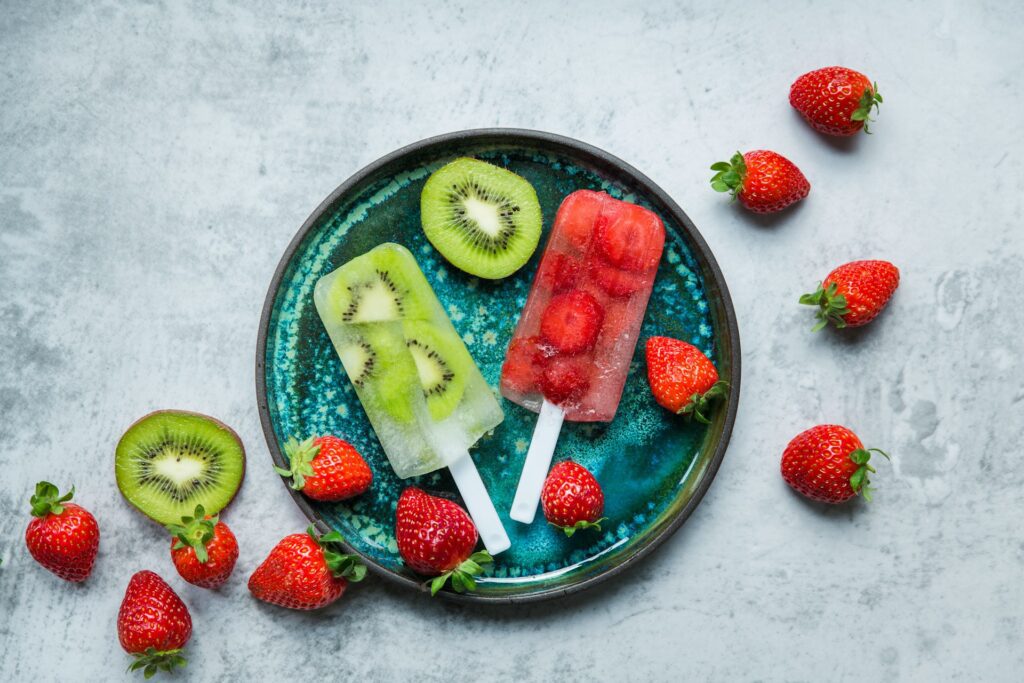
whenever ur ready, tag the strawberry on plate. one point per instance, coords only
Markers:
(436, 538)
(326, 468)
(762, 181)
(854, 293)
(572, 321)
(829, 464)
(203, 549)
(63, 537)
(682, 378)
(153, 624)
(305, 572)
(571, 498)
(835, 100)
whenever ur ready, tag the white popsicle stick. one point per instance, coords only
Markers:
(538, 461)
(479, 504)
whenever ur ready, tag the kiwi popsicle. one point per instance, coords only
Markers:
(571, 350)
(420, 388)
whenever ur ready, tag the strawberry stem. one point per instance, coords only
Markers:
(462, 576)
(47, 499)
(871, 99)
(342, 565)
(832, 306)
(729, 175)
(859, 479)
(153, 660)
(582, 524)
(697, 405)
(300, 458)
(195, 532)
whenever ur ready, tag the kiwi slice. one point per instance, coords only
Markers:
(483, 219)
(171, 460)
(442, 365)
(377, 363)
(375, 289)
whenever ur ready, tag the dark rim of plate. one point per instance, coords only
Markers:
(608, 166)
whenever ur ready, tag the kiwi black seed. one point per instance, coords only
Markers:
(484, 219)
(170, 461)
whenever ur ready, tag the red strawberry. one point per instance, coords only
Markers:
(577, 215)
(828, 463)
(203, 549)
(633, 240)
(764, 182)
(615, 282)
(572, 321)
(558, 272)
(326, 468)
(564, 379)
(303, 573)
(522, 365)
(854, 293)
(63, 537)
(153, 624)
(571, 498)
(436, 537)
(682, 378)
(835, 100)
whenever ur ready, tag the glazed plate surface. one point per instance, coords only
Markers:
(654, 467)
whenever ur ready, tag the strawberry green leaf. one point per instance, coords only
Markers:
(47, 499)
(869, 100)
(729, 175)
(151, 661)
(300, 458)
(832, 306)
(437, 583)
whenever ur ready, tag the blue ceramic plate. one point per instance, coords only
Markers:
(654, 466)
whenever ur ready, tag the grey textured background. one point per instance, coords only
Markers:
(156, 158)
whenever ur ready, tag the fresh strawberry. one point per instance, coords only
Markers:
(828, 463)
(523, 362)
(203, 549)
(835, 100)
(153, 624)
(571, 498)
(326, 468)
(763, 181)
(633, 241)
(577, 215)
(436, 538)
(854, 293)
(682, 378)
(571, 322)
(564, 379)
(302, 572)
(558, 272)
(63, 537)
(615, 282)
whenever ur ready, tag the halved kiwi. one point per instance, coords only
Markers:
(172, 460)
(376, 362)
(376, 289)
(484, 219)
(442, 364)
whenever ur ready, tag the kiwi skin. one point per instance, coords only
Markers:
(190, 413)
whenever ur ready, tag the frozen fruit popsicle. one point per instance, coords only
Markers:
(570, 354)
(420, 388)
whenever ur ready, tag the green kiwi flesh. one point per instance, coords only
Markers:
(441, 365)
(380, 369)
(170, 461)
(376, 290)
(484, 219)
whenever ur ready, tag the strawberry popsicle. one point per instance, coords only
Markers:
(571, 350)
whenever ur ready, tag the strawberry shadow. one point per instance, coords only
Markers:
(836, 143)
(839, 511)
(769, 221)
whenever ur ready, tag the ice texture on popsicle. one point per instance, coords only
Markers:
(420, 388)
(577, 333)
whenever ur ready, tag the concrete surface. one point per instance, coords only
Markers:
(156, 158)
